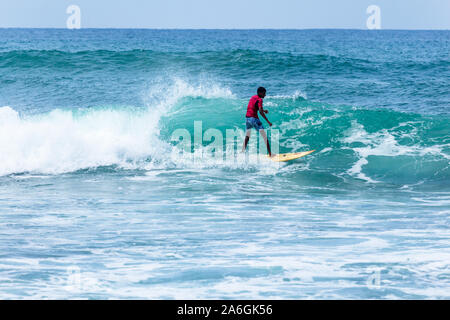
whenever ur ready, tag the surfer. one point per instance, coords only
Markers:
(252, 120)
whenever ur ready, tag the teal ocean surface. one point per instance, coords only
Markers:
(96, 201)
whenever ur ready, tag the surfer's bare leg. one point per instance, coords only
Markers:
(247, 137)
(263, 134)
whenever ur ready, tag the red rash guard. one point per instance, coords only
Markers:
(253, 107)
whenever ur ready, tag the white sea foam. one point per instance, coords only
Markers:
(63, 141)
(297, 94)
(66, 141)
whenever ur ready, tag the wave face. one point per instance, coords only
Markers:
(376, 146)
(93, 187)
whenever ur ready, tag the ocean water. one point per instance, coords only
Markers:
(97, 202)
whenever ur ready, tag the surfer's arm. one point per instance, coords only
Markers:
(263, 113)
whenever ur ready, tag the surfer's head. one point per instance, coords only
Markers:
(261, 92)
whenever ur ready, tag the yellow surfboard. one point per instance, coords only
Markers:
(290, 156)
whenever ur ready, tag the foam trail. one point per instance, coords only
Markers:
(382, 143)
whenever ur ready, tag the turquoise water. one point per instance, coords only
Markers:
(96, 202)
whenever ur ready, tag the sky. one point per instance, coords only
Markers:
(226, 14)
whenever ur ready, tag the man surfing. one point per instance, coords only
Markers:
(252, 120)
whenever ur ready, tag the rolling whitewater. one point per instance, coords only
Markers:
(95, 203)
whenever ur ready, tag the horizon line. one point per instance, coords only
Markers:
(224, 29)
